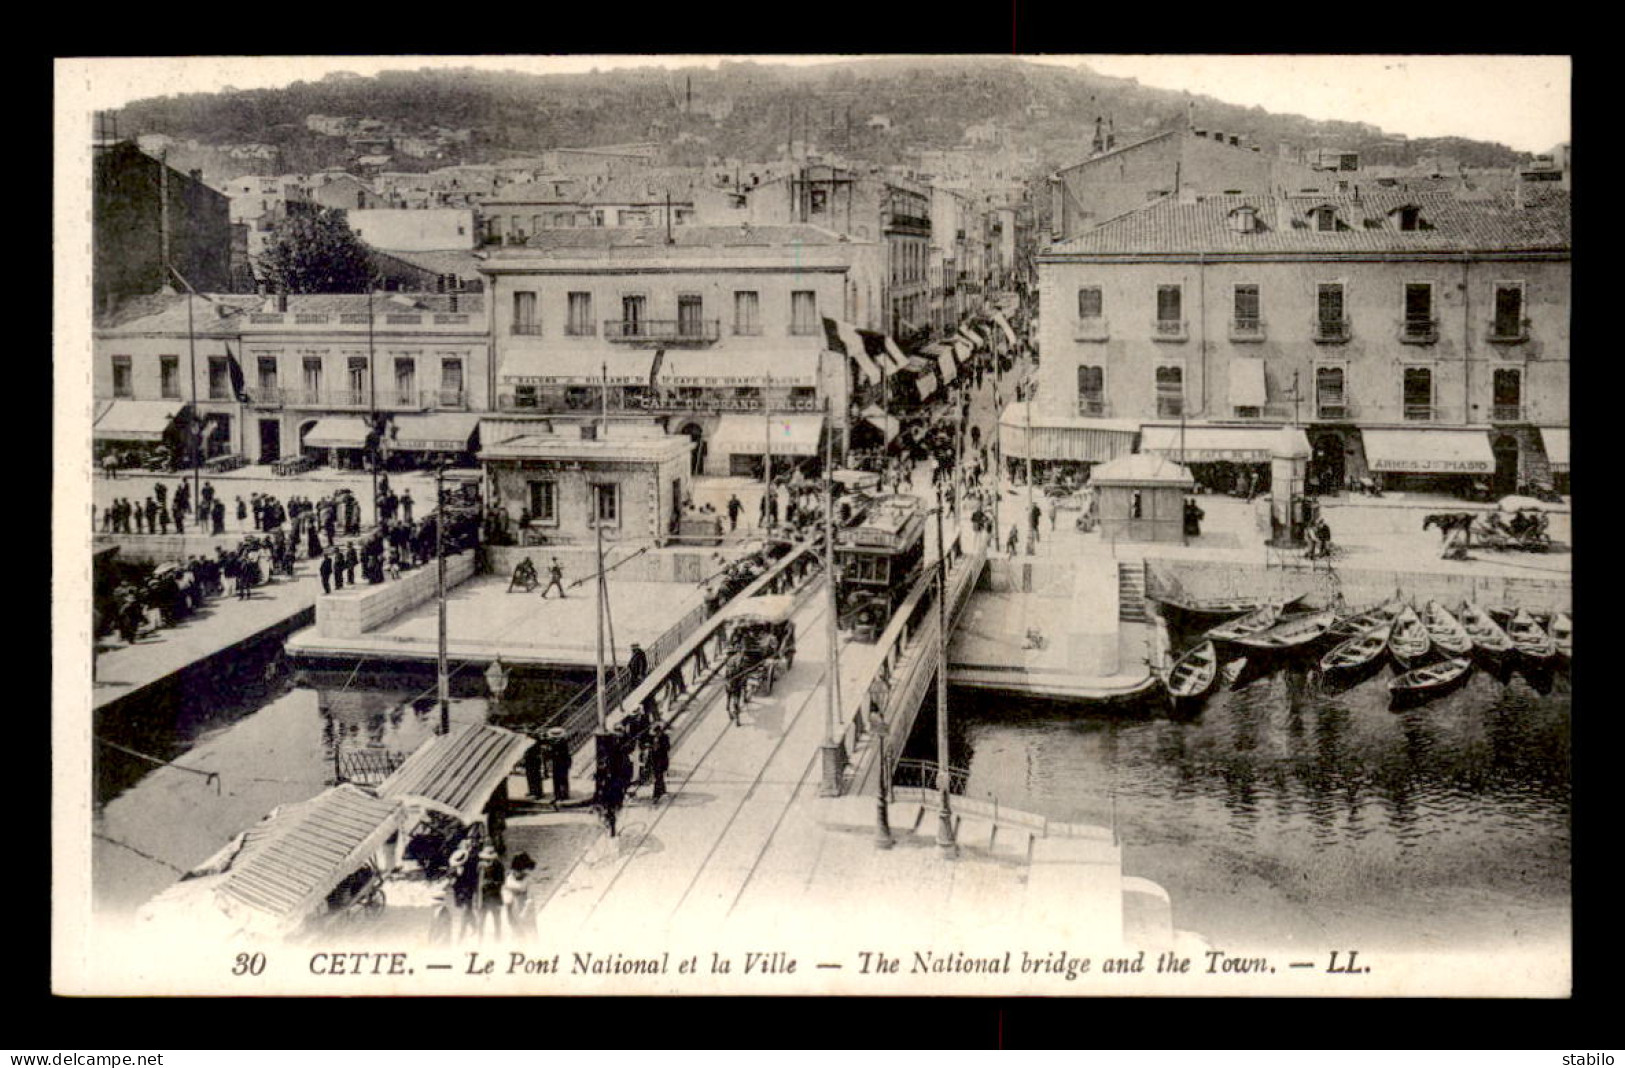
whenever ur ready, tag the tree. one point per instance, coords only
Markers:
(313, 250)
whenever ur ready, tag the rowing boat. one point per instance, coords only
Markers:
(1530, 637)
(1486, 633)
(1224, 606)
(1255, 622)
(1292, 633)
(1357, 651)
(1409, 641)
(1445, 630)
(1429, 681)
(1366, 621)
(1563, 635)
(1194, 673)
(1232, 671)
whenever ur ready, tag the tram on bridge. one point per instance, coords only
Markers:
(877, 561)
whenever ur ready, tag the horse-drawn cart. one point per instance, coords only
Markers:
(761, 643)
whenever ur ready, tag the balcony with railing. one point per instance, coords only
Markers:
(1419, 331)
(1170, 330)
(1502, 332)
(643, 401)
(1170, 405)
(1094, 329)
(1093, 406)
(664, 331)
(1247, 329)
(1333, 331)
(1334, 411)
(1508, 413)
(1421, 413)
(526, 329)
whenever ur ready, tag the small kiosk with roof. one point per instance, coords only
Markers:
(1142, 498)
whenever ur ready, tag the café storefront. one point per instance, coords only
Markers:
(1429, 461)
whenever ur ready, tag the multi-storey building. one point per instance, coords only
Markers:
(1414, 335)
(147, 215)
(281, 376)
(717, 335)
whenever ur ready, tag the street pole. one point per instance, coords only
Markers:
(444, 679)
(372, 409)
(834, 748)
(1029, 516)
(598, 530)
(194, 432)
(945, 815)
(767, 426)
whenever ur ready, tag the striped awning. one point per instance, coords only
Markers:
(1442, 451)
(290, 863)
(751, 435)
(1065, 437)
(945, 361)
(926, 384)
(457, 773)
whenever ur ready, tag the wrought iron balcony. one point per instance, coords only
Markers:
(1333, 331)
(664, 331)
(1095, 329)
(311, 398)
(1247, 329)
(1421, 413)
(1093, 406)
(1507, 413)
(1334, 412)
(526, 329)
(1170, 330)
(1419, 331)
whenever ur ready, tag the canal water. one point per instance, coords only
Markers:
(1286, 813)
(269, 732)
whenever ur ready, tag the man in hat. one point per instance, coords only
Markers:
(533, 769)
(490, 875)
(555, 579)
(657, 760)
(327, 572)
(637, 665)
(558, 758)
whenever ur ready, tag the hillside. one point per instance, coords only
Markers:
(744, 109)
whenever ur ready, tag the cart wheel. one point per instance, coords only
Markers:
(374, 902)
(789, 660)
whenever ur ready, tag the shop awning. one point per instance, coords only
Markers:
(1207, 444)
(895, 354)
(963, 350)
(926, 384)
(289, 864)
(945, 361)
(135, 420)
(842, 337)
(338, 432)
(457, 773)
(435, 432)
(791, 435)
(886, 424)
(1065, 437)
(1004, 324)
(1461, 452)
(1556, 440)
(1247, 389)
(759, 367)
(556, 367)
(972, 339)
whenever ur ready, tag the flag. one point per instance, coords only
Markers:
(654, 368)
(235, 370)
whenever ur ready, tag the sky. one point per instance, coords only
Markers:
(1519, 101)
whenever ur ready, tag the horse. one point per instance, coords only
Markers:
(1448, 523)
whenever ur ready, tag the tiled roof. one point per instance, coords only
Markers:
(382, 303)
(162, 314)
(540, 191)
(166, 313)
(685, 236)
(646, 188)
(459, 262)
(1483, 221)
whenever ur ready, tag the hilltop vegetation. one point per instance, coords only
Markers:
(749, 110)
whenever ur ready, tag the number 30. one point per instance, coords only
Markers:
(249, 964)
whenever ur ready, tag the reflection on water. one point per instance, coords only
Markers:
(1290, 812)
(272, 737)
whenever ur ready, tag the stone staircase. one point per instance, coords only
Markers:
(1131, 592)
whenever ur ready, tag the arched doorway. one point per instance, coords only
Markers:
(1328, 470)
(1505, 448)
(696, 459)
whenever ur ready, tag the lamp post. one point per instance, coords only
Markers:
(443, 677)
(945, 815)
(834, 749)
(496, 679)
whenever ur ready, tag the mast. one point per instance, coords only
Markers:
(443, 679)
